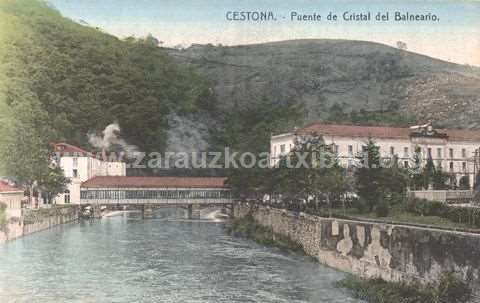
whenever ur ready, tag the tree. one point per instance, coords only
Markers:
(440, 178)
(54, 183)
(464, 182)
(298, 171)
(333, 184)
(434, 176)
(367, 176)
(24, 150)
(310, 171)
(249, 182)
(378, 182)
(415, 171)
(401, 45)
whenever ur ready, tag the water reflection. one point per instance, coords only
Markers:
(165, 259)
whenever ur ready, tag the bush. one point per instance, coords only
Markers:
(465, 215)
(361, 205)
(395, 199)
(382, 209)
(380, 291)
(450, 289)
(453, 290)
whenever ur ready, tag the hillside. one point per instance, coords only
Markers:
(61, 80)
(78, 79)
(324, 78)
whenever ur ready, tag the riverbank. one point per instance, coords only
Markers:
(449, 289)
(247, 227)
(35, 220)
(394, 253)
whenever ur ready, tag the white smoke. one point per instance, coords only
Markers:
(186, 135)
(111, 137)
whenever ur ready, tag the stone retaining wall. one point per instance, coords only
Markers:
(392, 252)
(34, 220)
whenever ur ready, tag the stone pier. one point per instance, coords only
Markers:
(193, 211)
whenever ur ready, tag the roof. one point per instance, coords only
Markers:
(69, 149)
(381, 132)
(155, 182)
(5, 187)
(66, 150)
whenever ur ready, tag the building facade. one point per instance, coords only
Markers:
(12, 197)
(79, 166)
(455, 151)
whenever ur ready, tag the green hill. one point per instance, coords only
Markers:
(341, 81)
(82, 79)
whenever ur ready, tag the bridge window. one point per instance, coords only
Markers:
(154, 194)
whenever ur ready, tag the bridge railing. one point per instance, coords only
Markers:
(157, 201)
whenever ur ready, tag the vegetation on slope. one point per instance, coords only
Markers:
(74, 79)
(80, 79)
(449, 289)
(340, 81)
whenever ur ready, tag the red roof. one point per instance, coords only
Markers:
(155, 182)
(67, 149)
(381, 132)
(5, 187)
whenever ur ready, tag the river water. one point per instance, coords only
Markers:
(164, 259)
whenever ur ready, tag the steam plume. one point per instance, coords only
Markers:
(110, 139)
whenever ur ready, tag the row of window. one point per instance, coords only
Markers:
(154, 194)
(406, 152)
(406, 164)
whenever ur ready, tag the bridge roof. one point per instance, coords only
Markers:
(155, 182)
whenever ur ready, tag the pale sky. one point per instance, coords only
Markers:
(455, 37)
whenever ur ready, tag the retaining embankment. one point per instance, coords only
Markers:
(34, 220)
(371, 250)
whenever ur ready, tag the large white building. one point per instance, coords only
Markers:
(453, 150)
(79, 166)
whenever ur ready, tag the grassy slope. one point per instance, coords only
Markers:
(86, 79)
(398, 215)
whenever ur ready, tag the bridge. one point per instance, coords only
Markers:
(146, 193)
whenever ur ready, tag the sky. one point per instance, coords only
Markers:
(455, 37)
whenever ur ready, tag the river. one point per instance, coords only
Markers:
(164, 259)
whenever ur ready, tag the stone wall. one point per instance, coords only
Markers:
(33, 220)
(392, 252)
